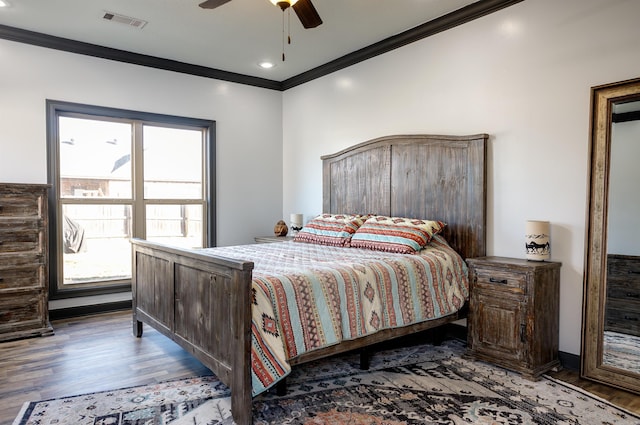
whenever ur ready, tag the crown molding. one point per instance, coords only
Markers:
(435, 26)
(443, 23)
(82, 48)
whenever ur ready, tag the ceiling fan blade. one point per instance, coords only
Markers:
(307, 13)
(212, 4)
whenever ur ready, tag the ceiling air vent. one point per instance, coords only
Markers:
(127, 20)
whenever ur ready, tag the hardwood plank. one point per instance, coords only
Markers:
(98, 353)
(87, 354)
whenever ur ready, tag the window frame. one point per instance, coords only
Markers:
(54, 109)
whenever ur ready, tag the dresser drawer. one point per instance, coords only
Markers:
(502, 280)
(627, 290)
(26, 276)
(623, 271)
(623, 316)
(20, 235)
(21, 310)
(23, 204)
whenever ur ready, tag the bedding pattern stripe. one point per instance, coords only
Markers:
(308, 296)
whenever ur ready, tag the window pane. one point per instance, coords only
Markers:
(96, 243)
(179, 225)
(95, 158)
(172, 163)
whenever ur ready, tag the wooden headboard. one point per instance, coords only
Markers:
(419, 176)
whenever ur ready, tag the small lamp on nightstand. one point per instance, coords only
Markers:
(537, 241)
(296, 223)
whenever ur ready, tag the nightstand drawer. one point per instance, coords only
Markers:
(501, 280)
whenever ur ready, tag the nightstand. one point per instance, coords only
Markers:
(270, 239)
(513, 314)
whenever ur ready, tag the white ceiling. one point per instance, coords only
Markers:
(234, 37)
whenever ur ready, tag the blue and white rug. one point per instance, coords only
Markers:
(621, 351)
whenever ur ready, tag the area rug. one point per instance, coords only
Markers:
(418, 384)
(621, 351)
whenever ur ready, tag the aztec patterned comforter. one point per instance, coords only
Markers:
(308, 296)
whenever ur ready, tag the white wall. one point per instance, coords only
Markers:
(624, 197)
(522, 75)
(248, 120)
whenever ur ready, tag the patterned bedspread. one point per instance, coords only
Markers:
(308, 296)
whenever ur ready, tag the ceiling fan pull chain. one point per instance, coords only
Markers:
(283, 36)
(289, 25)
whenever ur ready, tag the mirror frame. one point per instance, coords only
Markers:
(603, 98)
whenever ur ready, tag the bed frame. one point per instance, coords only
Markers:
(202, 302)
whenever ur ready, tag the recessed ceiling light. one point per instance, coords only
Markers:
(263, 65)
(4, 3)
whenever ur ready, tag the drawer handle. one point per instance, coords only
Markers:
(631, 318)
(632, 295)
(500, 281)
(634, 271)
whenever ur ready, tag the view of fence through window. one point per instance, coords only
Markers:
(102, 205)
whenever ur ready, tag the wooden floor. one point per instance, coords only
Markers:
(98, 353)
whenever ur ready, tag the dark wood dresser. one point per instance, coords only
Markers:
(622, 311)
(24, 277)
(514, 314)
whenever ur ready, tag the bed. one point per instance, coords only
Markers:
(205, 301)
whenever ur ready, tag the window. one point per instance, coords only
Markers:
(117, 174)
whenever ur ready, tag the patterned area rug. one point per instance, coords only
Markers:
(622, 351)
(420, 384)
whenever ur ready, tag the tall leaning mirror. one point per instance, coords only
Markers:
(611, 321)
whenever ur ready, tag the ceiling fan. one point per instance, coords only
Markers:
(305, 10)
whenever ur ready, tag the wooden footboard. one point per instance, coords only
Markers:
(203, 303)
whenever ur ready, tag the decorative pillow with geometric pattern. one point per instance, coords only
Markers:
(396, 234)
(331, 229)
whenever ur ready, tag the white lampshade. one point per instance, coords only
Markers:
(296, 220)
(537, 242)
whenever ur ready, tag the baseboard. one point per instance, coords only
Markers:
(85, 310)
(569, 361)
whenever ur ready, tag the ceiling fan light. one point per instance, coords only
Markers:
(284, 4)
